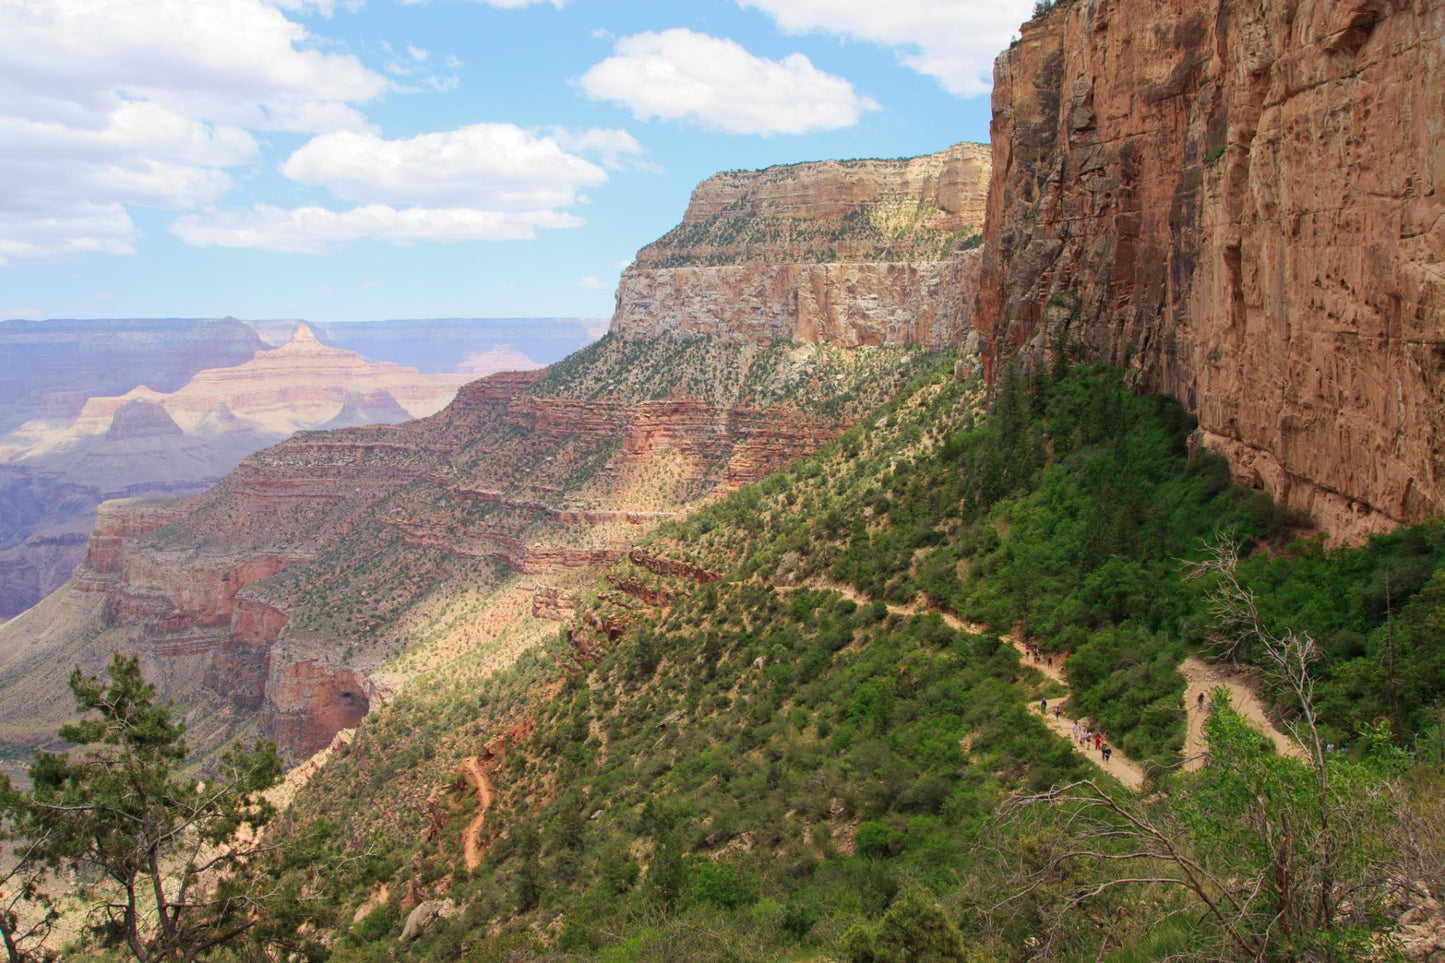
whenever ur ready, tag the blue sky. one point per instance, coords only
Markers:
(336, 160)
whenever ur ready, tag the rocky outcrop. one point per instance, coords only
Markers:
(424, 916)
(553, 604)
(848, 252)
(117, 521)
(671, 567)
(141, 419)
(915, 208)
(894, 302)
(311, 703)
(1243, 205)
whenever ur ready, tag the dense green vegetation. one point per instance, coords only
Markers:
(776, 766)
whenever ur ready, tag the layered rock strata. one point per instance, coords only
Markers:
(849, 252)
(1244, 205)
(279, 594)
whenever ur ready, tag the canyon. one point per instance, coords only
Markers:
(284, 594)
(120, 409)
(1244, 205)
(1221, 201)
(288, 592)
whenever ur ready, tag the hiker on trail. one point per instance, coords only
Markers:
(1056, 712)
(1201, 700)
(1107, 753)
(1076, 726)
(1098, 740)
(1043, 706)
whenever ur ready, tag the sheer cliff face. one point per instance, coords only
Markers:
(1245, 204)
(875, 252)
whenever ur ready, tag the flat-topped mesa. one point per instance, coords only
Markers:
(1245, 205)
(850, 252)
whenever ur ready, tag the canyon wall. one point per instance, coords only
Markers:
(278, 596)
(873, 252)
(1241, 203)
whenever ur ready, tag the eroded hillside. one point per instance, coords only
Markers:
(781, 719)
(278, 596)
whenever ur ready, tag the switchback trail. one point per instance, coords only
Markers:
(1200, 676)
(471, 836)
(1120, 766)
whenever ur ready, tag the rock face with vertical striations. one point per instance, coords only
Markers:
(1245, 205)
(872, 252)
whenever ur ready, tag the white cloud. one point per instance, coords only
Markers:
(482, 182)
(953, 41)
(316, 230)
(229, 62)
(106, 104)
(419, 54)
(326, 8)
(499, 4)
(28, 313)
(683, 75)
(497, 167)
(614, 148)
(592, 283)
(76, 228)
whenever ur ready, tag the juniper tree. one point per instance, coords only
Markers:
(177, 857)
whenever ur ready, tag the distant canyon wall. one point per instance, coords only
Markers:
(1242, 203)
(876, 252)
(877, 303)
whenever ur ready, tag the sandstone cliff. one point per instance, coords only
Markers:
(1245, 205)
(850, 252)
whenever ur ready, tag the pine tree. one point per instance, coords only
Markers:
(177, 856)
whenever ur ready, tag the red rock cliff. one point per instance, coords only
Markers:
(1244, 203)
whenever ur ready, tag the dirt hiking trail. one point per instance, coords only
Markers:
(1200, 676)
(1120, 766)
(471, 836)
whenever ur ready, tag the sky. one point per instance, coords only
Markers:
(352, 159)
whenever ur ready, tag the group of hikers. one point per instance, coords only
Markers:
(1037, 656)
(1083, 736)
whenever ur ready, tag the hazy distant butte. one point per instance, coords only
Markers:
(300, 385)
(75, 451)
